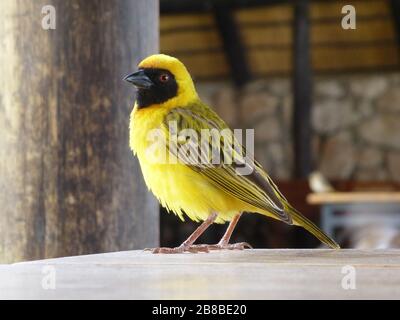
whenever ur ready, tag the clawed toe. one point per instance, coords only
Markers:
(196, 248)
(233, 246)
(242, 245)
(180, 249)
(165, 250)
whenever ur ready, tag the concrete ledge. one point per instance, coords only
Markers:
(249, 274)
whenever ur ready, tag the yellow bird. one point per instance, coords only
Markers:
(166, 122)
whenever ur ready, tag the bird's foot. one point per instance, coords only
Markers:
(230, 246)
(196, 248)
(181, 249)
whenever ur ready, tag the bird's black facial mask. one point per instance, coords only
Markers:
(154, 86)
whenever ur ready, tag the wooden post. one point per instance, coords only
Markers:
(69, 184)
(302, 87)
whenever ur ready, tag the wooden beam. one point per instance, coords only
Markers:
(354, 197)
(395, 8)
(196, 6)
(302, 89)
(233, 46)
(192, 6)
(69, 184)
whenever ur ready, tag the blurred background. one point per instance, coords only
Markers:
(256, 62)
(318, 81)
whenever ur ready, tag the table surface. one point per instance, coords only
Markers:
(353, 197)
(249, 274)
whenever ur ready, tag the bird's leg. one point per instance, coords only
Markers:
(200, 230)
(224, 242)
(228, 233)
(187, 245)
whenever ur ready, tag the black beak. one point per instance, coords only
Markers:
(139, 79)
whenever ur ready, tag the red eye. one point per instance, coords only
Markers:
(164, 77)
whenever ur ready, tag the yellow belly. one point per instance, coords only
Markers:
(182, 190)
(177, 187)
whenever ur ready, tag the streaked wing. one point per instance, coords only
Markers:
(256, 189)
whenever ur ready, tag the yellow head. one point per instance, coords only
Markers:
(162, 81)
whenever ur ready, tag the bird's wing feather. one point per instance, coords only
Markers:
(256, 189)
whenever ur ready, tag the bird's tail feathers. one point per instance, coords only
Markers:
(302, 221)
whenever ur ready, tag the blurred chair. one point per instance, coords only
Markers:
(368, 219)
(373, 237)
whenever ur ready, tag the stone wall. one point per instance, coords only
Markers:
(355, 121)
